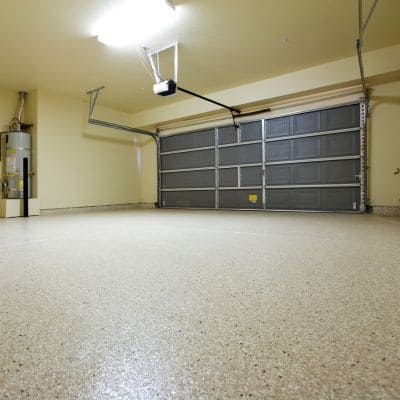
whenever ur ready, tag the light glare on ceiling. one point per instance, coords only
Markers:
(133, 21)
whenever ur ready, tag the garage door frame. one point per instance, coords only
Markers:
(216, 147)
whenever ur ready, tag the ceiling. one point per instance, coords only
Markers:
(50, 44)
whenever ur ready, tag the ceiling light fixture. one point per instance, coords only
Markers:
(133, 21)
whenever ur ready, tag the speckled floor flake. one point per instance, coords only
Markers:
(158, 304)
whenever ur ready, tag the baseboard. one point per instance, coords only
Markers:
(387, 211)
(11, 208)
(111, 207)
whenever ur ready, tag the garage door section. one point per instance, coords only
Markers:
(239, 162)
(305, 161)
(188, 170)
(313, 160)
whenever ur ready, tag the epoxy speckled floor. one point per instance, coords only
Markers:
(200, 305)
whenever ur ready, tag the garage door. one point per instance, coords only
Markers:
(305, 161)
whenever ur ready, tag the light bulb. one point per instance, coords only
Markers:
(133, 21)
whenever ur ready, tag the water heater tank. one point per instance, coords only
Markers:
(15, 146)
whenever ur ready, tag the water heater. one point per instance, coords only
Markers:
(15, 146)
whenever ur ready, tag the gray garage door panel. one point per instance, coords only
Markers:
(227, 135)
(189, 179)
(307, 199)
(327, 172)
(307, 148)
(279, 174)
(228, 177)
(251, 176)
(188, 141)
(340, 118)
(340, 144)
(306, 123)
(192, 159)
(277, 151)
(245, 154)
(277, 127)
(251, 131)
(279, 199)
(189, 199)
(345, 171)
(307, 174)
(340, 199)
(240, 199)
(316, 121)
(318, 199)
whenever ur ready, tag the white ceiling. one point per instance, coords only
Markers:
(223, 43)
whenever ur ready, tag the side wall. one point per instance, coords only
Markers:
(384, 145)
(148, 175)
(76, 164)
(79, 164)
(8, 107)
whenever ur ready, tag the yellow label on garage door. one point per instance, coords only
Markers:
(253, 198)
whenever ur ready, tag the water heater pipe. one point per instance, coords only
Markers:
(16, 122)
(22, 96)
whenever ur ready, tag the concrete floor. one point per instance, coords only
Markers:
(200, 305)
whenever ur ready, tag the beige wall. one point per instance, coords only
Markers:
(80, 164)
(76, 164)
(8, 107)
(321, 77)
(149, 171)
(384, 145)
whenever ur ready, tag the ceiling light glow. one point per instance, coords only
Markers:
(132, 21)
